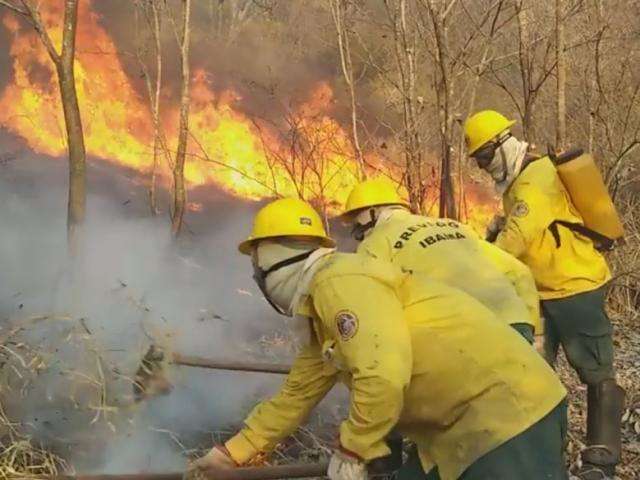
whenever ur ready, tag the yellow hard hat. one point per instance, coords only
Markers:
(373, 193)
(287, 217)
(483, 127)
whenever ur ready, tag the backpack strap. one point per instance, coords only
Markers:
(564, 157)
(602, 242)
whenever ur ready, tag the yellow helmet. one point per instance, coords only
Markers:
(373, 193)
(286, 217)
(484, 126)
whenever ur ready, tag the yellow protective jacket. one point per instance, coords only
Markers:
(452, 253)
(535, 199)
(415, 354)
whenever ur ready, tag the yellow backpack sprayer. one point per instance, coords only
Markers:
(586, 188)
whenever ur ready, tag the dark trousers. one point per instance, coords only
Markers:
(579, 323)
(535, 454)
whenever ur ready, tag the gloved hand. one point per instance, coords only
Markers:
(218, 457)
(495, 227)
(346, 466)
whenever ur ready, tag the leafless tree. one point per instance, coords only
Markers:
(152, 11)
(561, 77)
(64, 63)
(179, 188)
(341, 20)
(227, 17)
(405, 35)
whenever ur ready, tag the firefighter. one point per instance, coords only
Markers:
(409, 351)
(445, 250)
(570, 273)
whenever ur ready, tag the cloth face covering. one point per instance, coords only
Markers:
(507, 163)
(280, 285)
(285, 287)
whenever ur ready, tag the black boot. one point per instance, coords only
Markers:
(605, 404)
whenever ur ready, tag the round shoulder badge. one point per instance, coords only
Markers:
(347, 324)
(520, 209)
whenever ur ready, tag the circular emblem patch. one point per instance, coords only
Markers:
(520, 209)
(347, 324)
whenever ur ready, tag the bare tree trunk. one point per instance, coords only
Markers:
(444, 93)
(155, 107)
(561, 71)
(524, 56)
(153, 93)
(179, 190)
(64, 63)
(338, 10)
(73, 123)
(594, 105)
(405, 52)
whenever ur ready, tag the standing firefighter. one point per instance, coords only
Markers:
(545, 230)
(444, 250)
(409, 351)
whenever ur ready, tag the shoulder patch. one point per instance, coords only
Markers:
(520, 209)
(347, 324)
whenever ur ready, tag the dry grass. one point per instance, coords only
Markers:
(20, 458)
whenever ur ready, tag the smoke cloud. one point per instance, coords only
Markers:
(80, 332)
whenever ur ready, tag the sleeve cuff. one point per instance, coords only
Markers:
(241, 449)
(347, 442)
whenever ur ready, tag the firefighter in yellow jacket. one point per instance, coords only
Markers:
(445, 250)
(417, 356)
(571, 275)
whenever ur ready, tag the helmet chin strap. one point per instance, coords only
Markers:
(359, 230)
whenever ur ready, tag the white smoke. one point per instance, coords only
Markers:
(132, 285)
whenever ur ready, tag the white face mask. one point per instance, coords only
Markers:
(507, 163)
(279, 285)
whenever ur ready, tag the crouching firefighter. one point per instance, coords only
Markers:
(408, 350)
(444, 250)
(544, 228)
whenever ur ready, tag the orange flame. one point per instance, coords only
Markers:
(313, 159)
(226, 147)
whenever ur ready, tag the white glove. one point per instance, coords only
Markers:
(495, 227)
(218, 457)
(343, 466)
(538, 343)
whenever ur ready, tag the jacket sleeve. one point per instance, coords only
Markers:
(272, 420)
(529, 215)
(366, 319)
(520, 277)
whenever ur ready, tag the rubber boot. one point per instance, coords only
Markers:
(605, 404)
